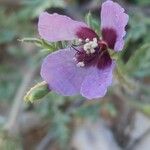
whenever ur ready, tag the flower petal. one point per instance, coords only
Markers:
(104, 61)
(55, 27)
(85, 32)
(113, 22)
(59, 70)
(96, 82)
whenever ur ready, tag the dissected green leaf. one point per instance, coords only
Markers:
(139, 63)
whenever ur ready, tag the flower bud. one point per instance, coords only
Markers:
(37, 92)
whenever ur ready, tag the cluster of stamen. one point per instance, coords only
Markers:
(88, 47)
(91, 53)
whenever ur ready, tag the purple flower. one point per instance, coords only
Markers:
(86, 69)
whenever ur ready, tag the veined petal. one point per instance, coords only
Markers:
(96, 82)
(59, 70)
(55, 27)
(113, 22)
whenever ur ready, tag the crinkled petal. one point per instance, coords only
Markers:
(55, 27)
(59, 70)
(113, 19)
(96, 82)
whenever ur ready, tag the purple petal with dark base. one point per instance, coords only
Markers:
(55, 27)
(110, 36)
(85, 32)
(88, 59)
(104, 61)
(113, 17)
(96, 82)
(59, 70)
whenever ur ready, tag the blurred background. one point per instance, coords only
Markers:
(119, 121)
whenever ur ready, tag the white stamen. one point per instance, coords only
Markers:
(80, 41)
(87, 52)
(92, 51)
(80, 64)
(86, 46)
(94, 45)
(95, 40)
(90, 45)
(87, 40)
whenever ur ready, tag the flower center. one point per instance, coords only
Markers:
(92, 52)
